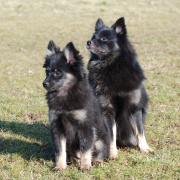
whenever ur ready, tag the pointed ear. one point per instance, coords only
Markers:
(119, 26)
(70, 53)
(51, 48)
(99, 24)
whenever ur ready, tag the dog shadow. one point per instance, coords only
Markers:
(33, 140)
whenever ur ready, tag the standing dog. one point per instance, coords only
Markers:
(75, 118)
(117, 80)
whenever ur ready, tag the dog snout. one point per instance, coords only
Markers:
(45, 84)
(88, 43)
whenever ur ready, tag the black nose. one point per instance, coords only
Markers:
(88, 43)
(45, 84)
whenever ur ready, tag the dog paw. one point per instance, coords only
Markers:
(98, 162)
(59, 168)
(113, 154)
(147, 150)
(112, 157)
(113, 151)
(85, 167)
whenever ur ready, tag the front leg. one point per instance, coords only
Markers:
(86, 158)
(113, 147)
(108, 113)
(86, 139)
(59, 144)
(112, 130)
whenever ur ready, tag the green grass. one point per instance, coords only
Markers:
(25, 30)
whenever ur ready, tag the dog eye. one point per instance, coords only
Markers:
(57, 73)
(104, 39)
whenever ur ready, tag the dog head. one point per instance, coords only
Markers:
(63, 68)
(106, 41)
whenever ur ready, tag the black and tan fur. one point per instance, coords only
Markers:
(117, 80)
(77, 128)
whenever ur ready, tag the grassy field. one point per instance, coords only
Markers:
(25, 30)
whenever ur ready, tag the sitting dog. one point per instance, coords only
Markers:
(117, 80)
(77, 127)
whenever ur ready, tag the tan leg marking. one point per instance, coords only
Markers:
(113, 147)
(86, 160)
(142, 143)
(61, 159)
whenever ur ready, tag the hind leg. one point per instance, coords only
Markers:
(139, 131)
